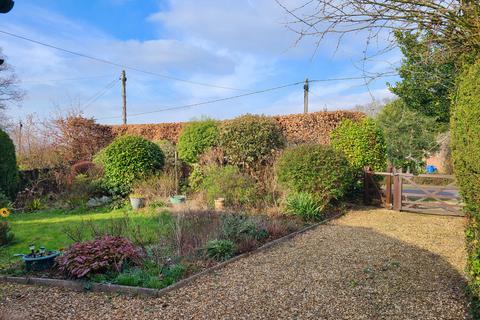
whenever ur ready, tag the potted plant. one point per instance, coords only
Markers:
(137, 201)
(39, 260)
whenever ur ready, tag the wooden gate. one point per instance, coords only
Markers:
(424, 193)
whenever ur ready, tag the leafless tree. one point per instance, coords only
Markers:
(450, 23)
(9, 92)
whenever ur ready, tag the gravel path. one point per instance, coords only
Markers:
(371, 264)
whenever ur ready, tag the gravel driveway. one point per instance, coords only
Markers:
(369, 264)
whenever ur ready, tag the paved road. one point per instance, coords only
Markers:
(371, 264)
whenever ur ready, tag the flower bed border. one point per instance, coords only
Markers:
(77, 285)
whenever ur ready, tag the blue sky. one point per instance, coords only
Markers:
(241, 44)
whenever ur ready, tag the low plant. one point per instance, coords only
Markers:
(220, 250)
(6, 234)
(191, 230)
(149, 275)
(157, 186)
(306, 205)
(35, 204)
(104, 254)
(237, 227)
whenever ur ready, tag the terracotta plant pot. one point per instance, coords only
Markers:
(219, 204)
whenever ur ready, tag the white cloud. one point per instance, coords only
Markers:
(229, 43)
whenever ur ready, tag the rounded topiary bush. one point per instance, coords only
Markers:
(8, 166)
(465, 143)
(129, 158)
(195, 138)
(362, 142)
(237, 188)
(316, 169)
(250, 139)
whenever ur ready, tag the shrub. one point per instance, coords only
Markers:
(250, 139)
(213, 156)
(161, 185)
(5, 201)
(99, 158)
(411, 136)
(316, 169)
(465, 133)
(195, 138)
(6, 234)
(104, 254)
(220, 250)
(77, 138)
(229, 183)
(362, 142)
(237, 227)
(169, 150)
(196, 176)
(35, 204)
(8, 166)
(305, 205)
(129, 158)
(191, 230)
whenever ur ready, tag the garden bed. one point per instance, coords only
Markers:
(54, 279)
(178, 249)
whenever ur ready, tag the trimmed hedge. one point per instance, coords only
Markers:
(465, 142)
(313, 127)
(195, 138)
(8, 166)
(250, 139)
(129, 158)
(362, 142)
(316, 169)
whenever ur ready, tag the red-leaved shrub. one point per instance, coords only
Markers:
(107, 253)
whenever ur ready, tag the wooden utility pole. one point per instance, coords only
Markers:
(123, 77)
(20, 126)
(305, 96)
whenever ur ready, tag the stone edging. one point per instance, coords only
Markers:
(114, 288)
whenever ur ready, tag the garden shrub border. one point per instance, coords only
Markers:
(133, 291)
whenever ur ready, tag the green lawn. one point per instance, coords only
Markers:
(47, 228)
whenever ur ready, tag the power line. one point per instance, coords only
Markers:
(167, 108)
(99, 94)
(207, 102)
(66, 79)
(118, 64)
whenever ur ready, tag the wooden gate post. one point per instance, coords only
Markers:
(397, 191)
(388, 188)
